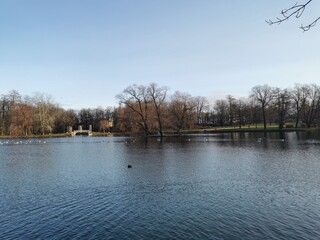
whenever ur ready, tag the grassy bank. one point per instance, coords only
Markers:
(272, 128)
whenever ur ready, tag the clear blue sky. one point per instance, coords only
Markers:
(84, 53)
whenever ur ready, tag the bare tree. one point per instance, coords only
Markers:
(137, 99)
(264, 95)
(201, 105)
(231, 108)
(282, 105)
(221, 112)
(311, 106)
(158, 96)
(295, 11)
(21, 119)
(44, 112)
(241, 107)
(299, 96)
(9, 105)
(181, 109)
(4, 114)
(123, 119)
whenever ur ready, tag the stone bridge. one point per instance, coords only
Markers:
(80, 131)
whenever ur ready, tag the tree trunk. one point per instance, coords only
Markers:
(297, 120)
(264, 118)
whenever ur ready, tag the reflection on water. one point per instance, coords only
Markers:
(221, 186)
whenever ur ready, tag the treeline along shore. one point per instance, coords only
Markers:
(151, 110)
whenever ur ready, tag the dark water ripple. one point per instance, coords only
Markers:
(96, 214)
(198, 188)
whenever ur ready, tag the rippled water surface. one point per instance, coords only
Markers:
(226, 186)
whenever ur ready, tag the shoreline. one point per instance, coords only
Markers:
(172, 134)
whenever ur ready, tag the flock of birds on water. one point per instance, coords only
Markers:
(32, 141)
(9, 142)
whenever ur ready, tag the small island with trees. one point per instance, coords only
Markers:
(150, 110)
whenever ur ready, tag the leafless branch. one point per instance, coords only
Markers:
(296, 10)
(307, 27)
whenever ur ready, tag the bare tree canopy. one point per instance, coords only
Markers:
(181, 108)
(297, 11)
(264, 95)
(137, 99)
(158, 96)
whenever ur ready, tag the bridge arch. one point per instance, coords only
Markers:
(80, 131)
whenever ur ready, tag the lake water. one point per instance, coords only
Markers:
(223, 186)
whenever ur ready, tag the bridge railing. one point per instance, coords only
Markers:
(82, 132)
